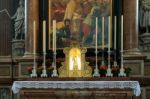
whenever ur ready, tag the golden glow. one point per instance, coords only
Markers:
(75, 59)
(75, 64)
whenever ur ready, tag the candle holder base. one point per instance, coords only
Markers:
(33, 73)
(96, 73)
(115, 64)
(109, 74)
(44, 73)
(54, 73)
(122, 73)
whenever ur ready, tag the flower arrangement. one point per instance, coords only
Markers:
(103, 70)
(115, 71)
(127, 70)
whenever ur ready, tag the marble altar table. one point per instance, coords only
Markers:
(77, 89)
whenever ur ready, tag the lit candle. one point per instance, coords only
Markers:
(44, 36)
(96, 32)
(122, 33)
(115, 27)
(54, 35)
(34, 37)
(103, 42)
(109, 40)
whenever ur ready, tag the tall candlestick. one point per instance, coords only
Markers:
(96, 72)
(54, 50)
(103, 41)
(96, 33)
(44, 72)
(44, 36)
(103, 30)
(115, 47)
(109, 34)
(115, 23)
(54, 35)
(34, 50)
(96, 38)
(122, 33)
(122, 73)
(34, 37)
(109, 41)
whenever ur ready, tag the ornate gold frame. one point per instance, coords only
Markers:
(75, 51)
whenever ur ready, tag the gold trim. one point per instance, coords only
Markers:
(64, 70)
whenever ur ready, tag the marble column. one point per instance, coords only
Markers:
(130, 12)
(31, 14)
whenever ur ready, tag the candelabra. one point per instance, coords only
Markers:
(44, 73)
(54, 65)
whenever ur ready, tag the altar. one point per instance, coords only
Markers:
(77, 89)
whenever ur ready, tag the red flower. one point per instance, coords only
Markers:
(103, 67)
(127, 69)
(115, 69)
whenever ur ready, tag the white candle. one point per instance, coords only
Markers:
(122, 33)
(44, 36)
(109, 39)
(103, 40)
(34, 37)
(96, 32)
(115, 27)
(54, 35)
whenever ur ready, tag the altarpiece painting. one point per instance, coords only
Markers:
(76, 21)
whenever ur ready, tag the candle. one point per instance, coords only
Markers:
(54, 35)
(115, 27)
(109, 34)
(34, 37)
(44, 36)
(122, 33)
(96, 32)
(103, 42)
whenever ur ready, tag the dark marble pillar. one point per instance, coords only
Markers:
(31, 14)
(130, 11)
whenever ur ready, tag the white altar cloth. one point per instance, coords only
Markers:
(18, 85)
